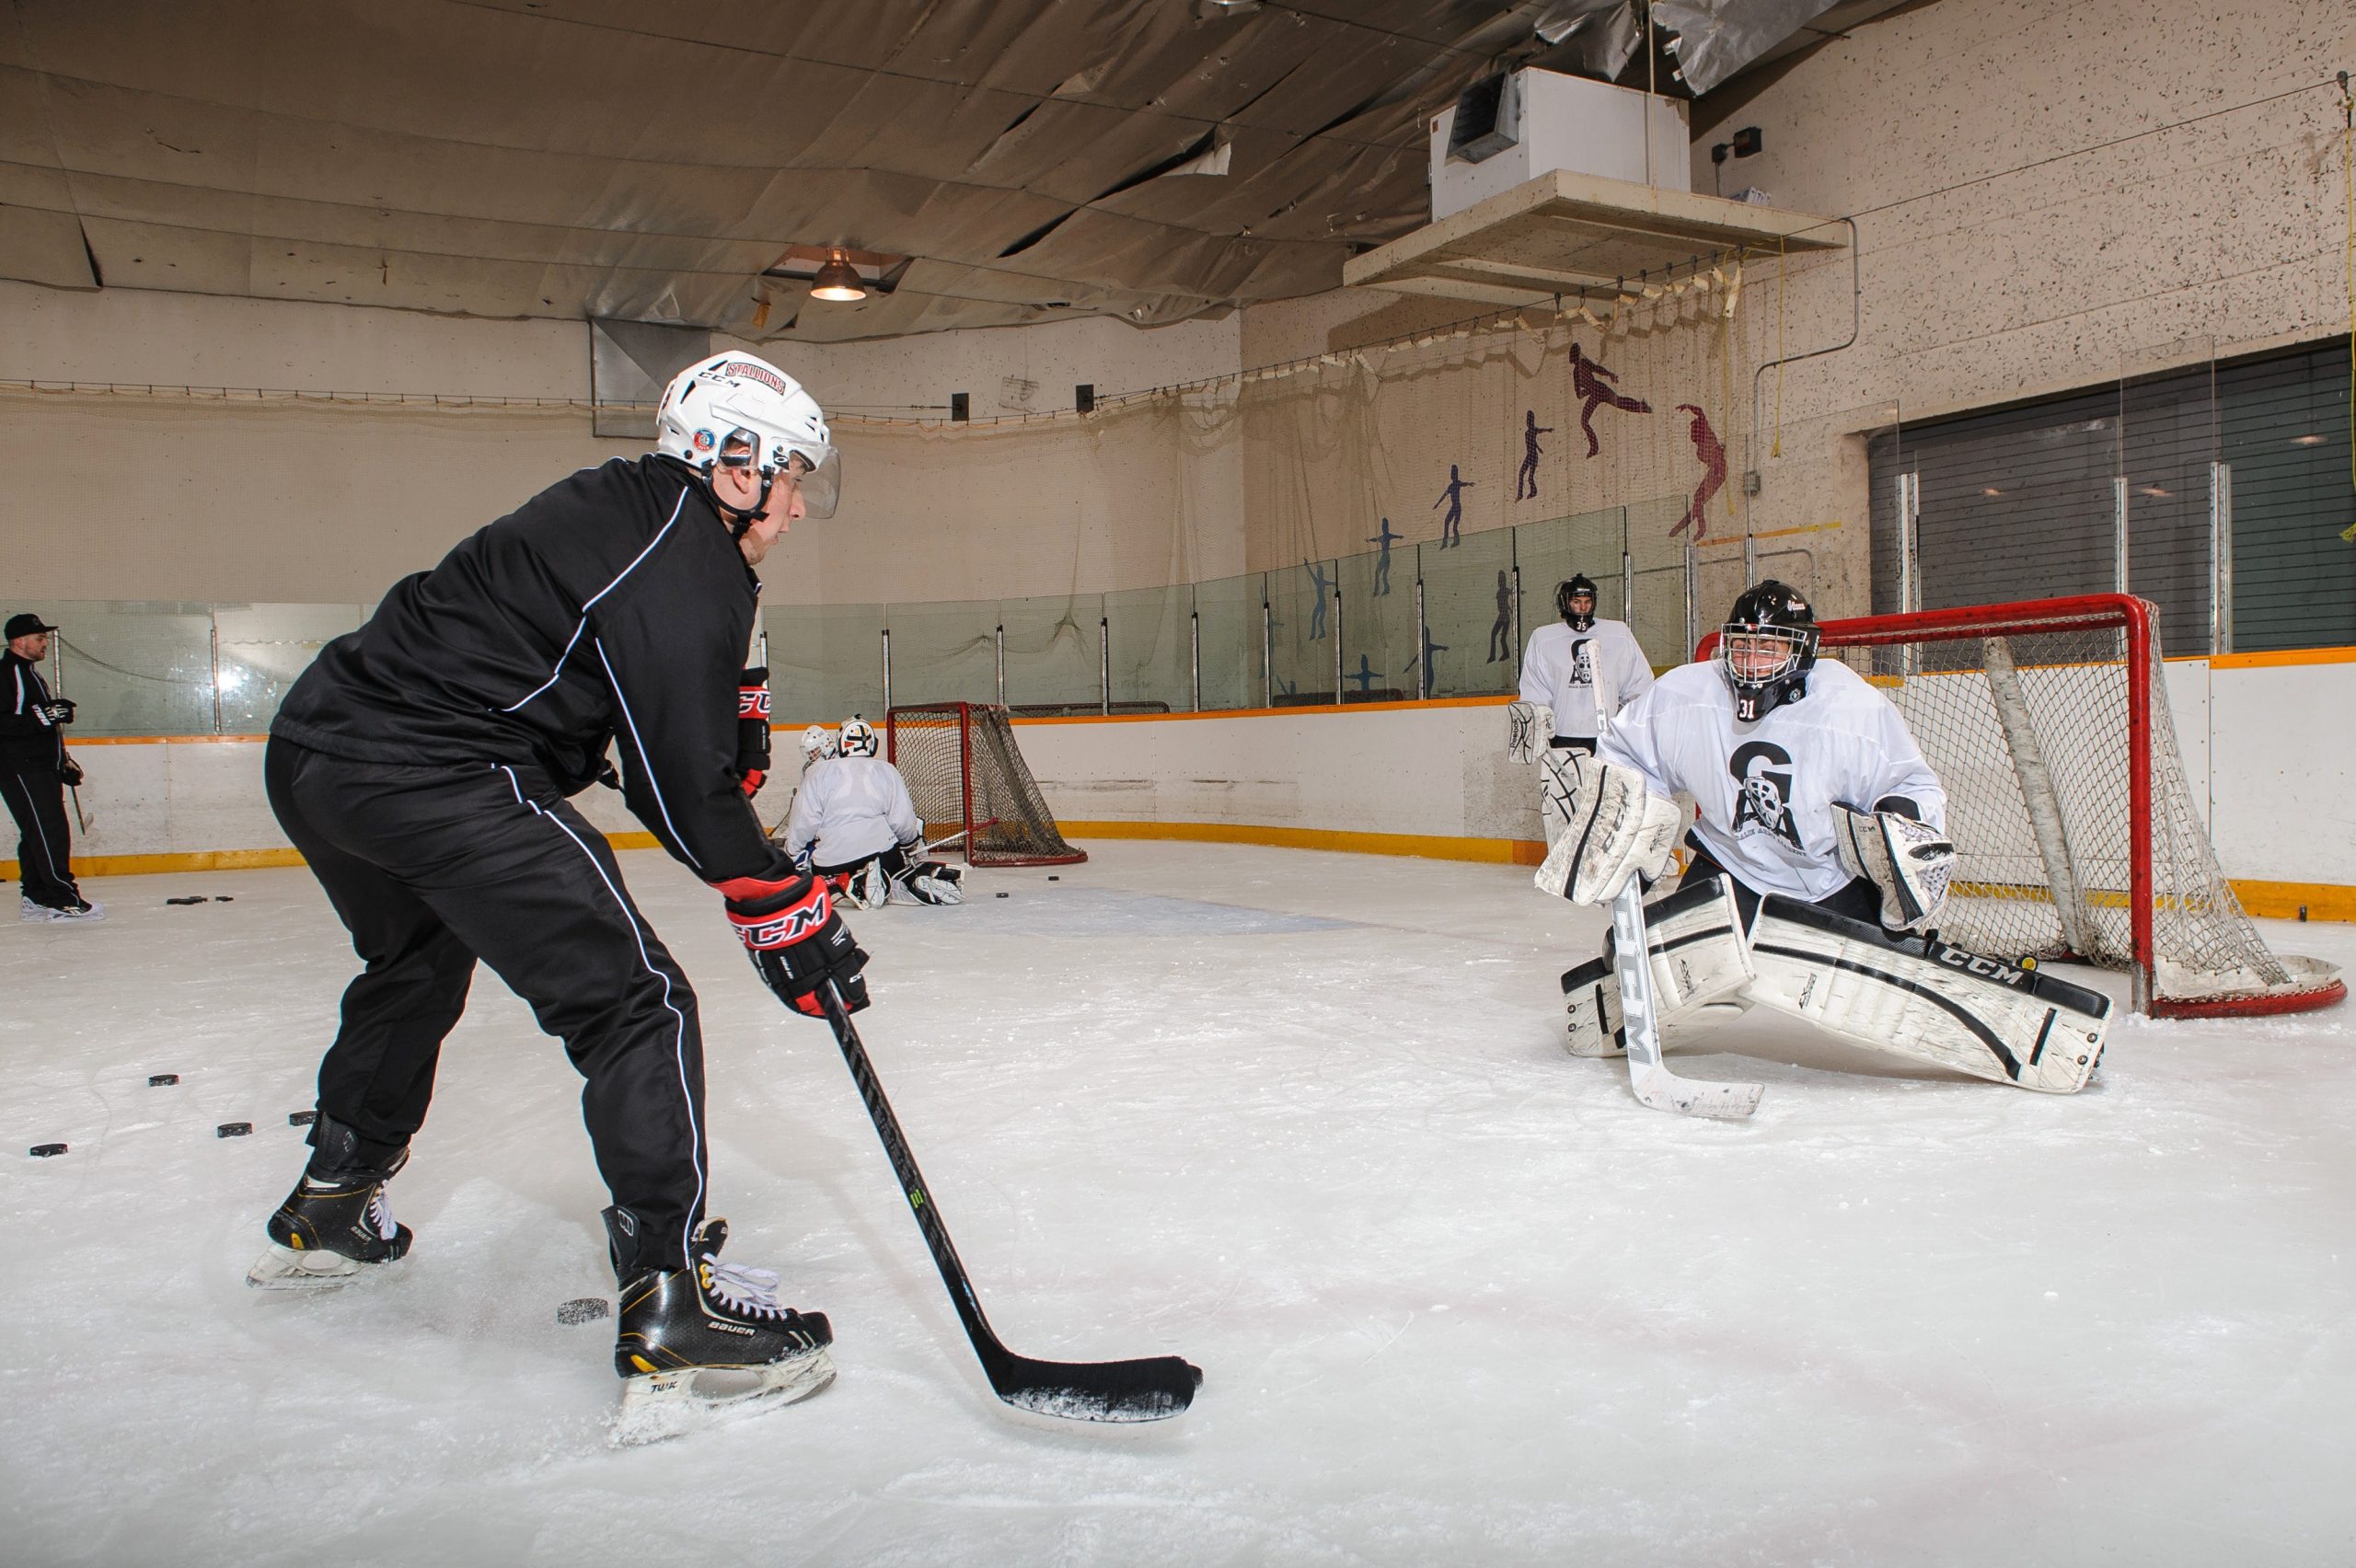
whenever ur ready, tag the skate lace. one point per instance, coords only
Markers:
(744, 1290)
(380, 1214)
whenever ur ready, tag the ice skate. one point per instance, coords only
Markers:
(336, 1221)
(715, 1342)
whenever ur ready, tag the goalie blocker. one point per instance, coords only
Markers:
(1906, 996)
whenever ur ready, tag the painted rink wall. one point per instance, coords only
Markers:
(2267, 753)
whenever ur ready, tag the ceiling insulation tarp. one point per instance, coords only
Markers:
(606, 158)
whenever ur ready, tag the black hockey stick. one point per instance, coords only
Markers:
(1149, 1389)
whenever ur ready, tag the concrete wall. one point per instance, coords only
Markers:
(1412, 778)
(278, 499)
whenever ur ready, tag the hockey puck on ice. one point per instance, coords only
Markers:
(1001, 895)
(192, 898)
(42, 1151)
(301, 1118)
(233, 1129)
(162, 1081)
(1054, 879)
(224, 898)
(583, 1309)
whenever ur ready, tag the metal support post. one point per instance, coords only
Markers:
(1749, 559)
(1693, 597)
(1517, 617)
(1194, 656)
(1628, 589)
(1337, 635)
(887, 670)
(2119, 528)
(1422, 632)
(1267, 655)
(213, 657)
(1105, 663)
(1000, 639)
(2221, 557)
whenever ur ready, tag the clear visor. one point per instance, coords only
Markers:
(816, 472)
(1755, 656)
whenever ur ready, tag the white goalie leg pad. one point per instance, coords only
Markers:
(929, 882)
(1700, 966)
(1909, 861)
(1528, 726)
(1618, 828)
(1920, 998)
(1558, 790)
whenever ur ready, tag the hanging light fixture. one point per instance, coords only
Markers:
(837, 280)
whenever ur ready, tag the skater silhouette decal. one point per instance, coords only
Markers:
(1501, 632)
(1382, 559)
(1364, 676)
(1531, 430)
(1431, 648)
(1712, 454)
(1323, 590)
(1451, 529)
(1591, 384)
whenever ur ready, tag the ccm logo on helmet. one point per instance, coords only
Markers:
(1986, 968)
(759, 373)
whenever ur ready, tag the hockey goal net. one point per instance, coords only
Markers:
(967, 777)
(2048, 723)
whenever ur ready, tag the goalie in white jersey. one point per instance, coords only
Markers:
(853, 823)
(1565, 662)
(1820, 862)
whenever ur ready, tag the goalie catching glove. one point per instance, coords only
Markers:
(796, 940)
(1908, 860)
(1615, 828)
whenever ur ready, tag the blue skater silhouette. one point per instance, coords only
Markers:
(1382, 561)
(1364, 675)
(1531, 430)
(1452, 528)
(1431, 648)
(1501, 633)
(1324, 589)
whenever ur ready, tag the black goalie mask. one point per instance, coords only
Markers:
(1766, 649)
(1566, 604)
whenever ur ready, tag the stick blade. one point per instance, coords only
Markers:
(1153, 1389)
(1664, 1090)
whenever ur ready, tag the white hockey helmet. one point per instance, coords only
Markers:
(858, 738)
(818, 742)
(731, 396)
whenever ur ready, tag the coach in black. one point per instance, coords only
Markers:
(35, 773)
(423, 765)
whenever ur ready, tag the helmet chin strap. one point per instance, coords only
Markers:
(738, 522)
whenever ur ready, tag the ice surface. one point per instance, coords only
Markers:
(1303, 1119)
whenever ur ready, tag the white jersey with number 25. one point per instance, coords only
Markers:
(1765, 791)
(1559, 667)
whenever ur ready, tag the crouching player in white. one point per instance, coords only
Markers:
(853, 823)
(1567, 663)
(1821, 863)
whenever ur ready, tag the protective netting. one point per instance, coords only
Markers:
(967, 777)
(2048, 723)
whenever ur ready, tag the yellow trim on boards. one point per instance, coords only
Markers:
(2282, 657)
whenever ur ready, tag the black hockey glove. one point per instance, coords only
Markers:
(57, 711)
(69, 773)
(796, 940)
(753, 729)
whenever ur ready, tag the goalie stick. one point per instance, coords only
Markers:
(1149, 1389)
(1648, 1075)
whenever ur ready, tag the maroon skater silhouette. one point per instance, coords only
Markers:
(1713, 453)
(1590, 382)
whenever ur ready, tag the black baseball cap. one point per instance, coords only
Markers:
(26, 625)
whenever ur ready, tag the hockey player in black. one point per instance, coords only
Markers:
(35, 773)
(423, 765)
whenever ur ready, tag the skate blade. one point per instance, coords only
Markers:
(657, 1406)
(284, 1268)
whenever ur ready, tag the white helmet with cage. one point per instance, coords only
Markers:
(818, 743)
(858, 738)
(738, 399)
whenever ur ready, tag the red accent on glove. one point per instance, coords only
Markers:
(752, 782)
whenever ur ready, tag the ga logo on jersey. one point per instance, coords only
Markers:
(1582, 663)
(1762, 797)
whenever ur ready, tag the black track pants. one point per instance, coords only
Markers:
(432, 866)
(44, 855)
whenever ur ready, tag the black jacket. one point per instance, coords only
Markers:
(612, 606)
(28, 742)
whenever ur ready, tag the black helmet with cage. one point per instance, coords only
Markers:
(1567, 599)
(1767, 648)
